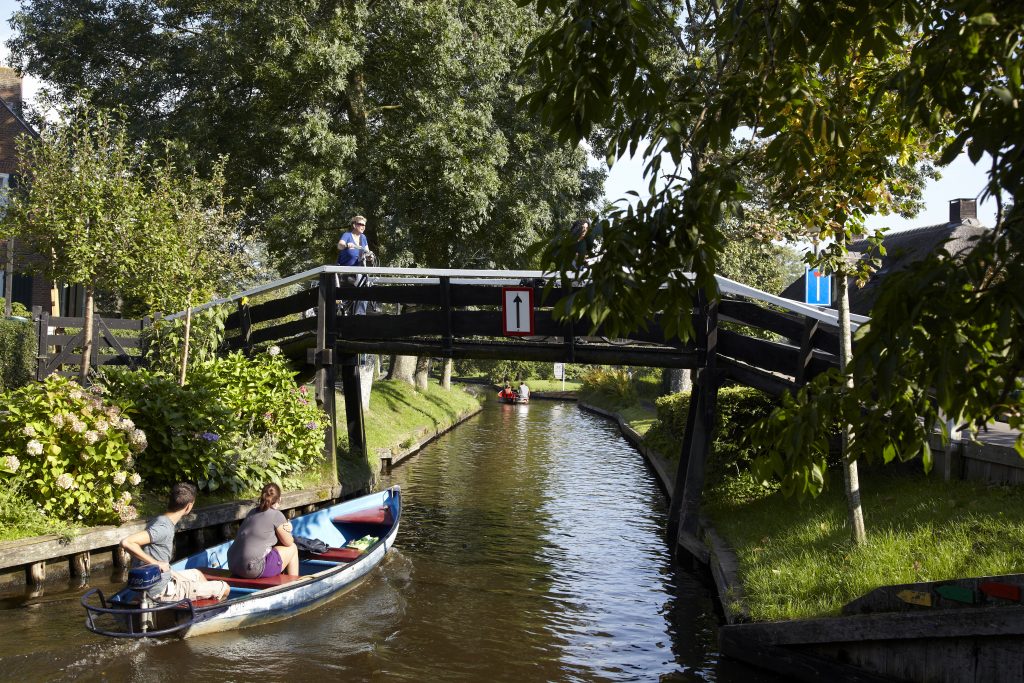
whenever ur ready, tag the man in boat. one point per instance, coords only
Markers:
(524, 391)
(154, 545)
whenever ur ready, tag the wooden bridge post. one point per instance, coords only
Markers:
(326, 373)
(244, 327)
(806, 350)
(697, 441)
(353, 402)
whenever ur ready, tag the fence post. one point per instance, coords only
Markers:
(245, 327)
(42, 319)
(326, 370)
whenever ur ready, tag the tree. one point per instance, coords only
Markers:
(82, 203)
(402, 111)
(926, 67)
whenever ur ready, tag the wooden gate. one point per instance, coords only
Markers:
(115, 341)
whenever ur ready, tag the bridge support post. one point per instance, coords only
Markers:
(326, 373)
(684, 512)
(353, 402)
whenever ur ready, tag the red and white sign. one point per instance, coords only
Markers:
(517, 311)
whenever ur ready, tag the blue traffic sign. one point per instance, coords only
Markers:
(817, 287)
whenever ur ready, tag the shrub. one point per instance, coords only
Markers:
(17, 353)
(237, 423)
(610, 385)
(738, 408)
(165, 339)
(17, 308)
(72, 454)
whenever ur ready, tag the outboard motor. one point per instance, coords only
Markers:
(140, 580)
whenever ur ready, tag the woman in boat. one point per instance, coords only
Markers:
(264, 546)
(507, 392)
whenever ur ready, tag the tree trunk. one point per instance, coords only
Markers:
(422, 372)
(851, 479)
(9, 278)
(185, 343)
(675, 380)
(403, 368)
(83, 374)
(446, 374)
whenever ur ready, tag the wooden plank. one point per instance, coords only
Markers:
(998, 455)
(967, 622)
(788, 325)
(957, 594)
(755, 378)
(112, 323)
(766, 355)
(278, 308)
(794, 665)
(106, 337)
(275, 333)
(1003, 591)
(693, 545)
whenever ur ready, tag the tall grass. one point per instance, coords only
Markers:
(20, 518)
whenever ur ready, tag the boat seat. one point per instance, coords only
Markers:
(381, 515)
(206, 602)
(239, 582)
(338, 554)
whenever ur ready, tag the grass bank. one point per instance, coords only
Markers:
(399, 416)
(796, 559)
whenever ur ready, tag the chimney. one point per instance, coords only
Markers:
(960, 210)
(10, 88)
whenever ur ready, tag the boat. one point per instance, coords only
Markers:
(517, 399)
(252, 602)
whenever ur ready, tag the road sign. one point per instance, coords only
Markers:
(559, 370)
(517, 311)
(817, 287)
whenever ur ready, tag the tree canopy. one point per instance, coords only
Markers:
(948, 77)
(402, 111)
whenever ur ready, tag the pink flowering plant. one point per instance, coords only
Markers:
(70, 451)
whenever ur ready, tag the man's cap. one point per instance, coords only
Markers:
(359, 219)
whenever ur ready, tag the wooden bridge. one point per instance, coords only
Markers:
(462, 314)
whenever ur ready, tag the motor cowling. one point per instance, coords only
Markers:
(143, 578)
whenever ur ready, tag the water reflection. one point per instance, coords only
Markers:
(530, 550)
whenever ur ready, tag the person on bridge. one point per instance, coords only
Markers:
(354, 250)
(352, 245)
(264, 546)
(153, 545)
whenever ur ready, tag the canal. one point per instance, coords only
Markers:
(531, 549)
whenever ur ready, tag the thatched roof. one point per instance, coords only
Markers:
(902, 249)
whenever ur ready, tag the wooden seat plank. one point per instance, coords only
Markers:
(381, 515)
(239, 582)
(339, 554)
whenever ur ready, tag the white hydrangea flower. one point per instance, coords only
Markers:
(129, 462)
(127, 513)
(29, 431)
(58, 420)
(138, 440)
(11, 463)
(274, 350)
(66, 481)
(126, 424)
(102, 426)
(135, 479)
(119, 478)
(126, 498)
(76, 394)
(77, 426)
(113, 412)
(34, 447)
(92, 436)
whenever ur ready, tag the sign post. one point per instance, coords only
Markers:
(817, 287)
(560, 373)
(517, 311)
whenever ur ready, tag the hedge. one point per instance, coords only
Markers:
(17, 353)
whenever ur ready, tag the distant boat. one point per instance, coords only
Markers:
(260, 601)
(514, 399)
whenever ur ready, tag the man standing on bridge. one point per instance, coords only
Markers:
(353, 250)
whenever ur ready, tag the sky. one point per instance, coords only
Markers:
(960, 179)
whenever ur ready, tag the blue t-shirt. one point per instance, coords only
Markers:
(350, 257)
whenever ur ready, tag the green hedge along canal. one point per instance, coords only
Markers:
(531, 549)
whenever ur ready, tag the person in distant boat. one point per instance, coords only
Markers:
(524, 391)
(153, 545)
(507, 392)
(264, 546)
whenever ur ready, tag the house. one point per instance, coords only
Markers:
(906, 247)
(17, 282)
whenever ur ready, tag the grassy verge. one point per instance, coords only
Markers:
(549, 385)
(639, 415)
(399, 416)
(20, 518)
(796, 560)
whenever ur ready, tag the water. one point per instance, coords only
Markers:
(531, 549)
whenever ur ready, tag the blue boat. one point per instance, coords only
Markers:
(253, 602)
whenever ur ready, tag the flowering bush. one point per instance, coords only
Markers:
(238, 423)
(73, 453)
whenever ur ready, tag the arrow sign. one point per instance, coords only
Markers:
(517, 311)
(817, 287)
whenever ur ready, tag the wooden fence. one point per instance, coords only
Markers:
(115, 341)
